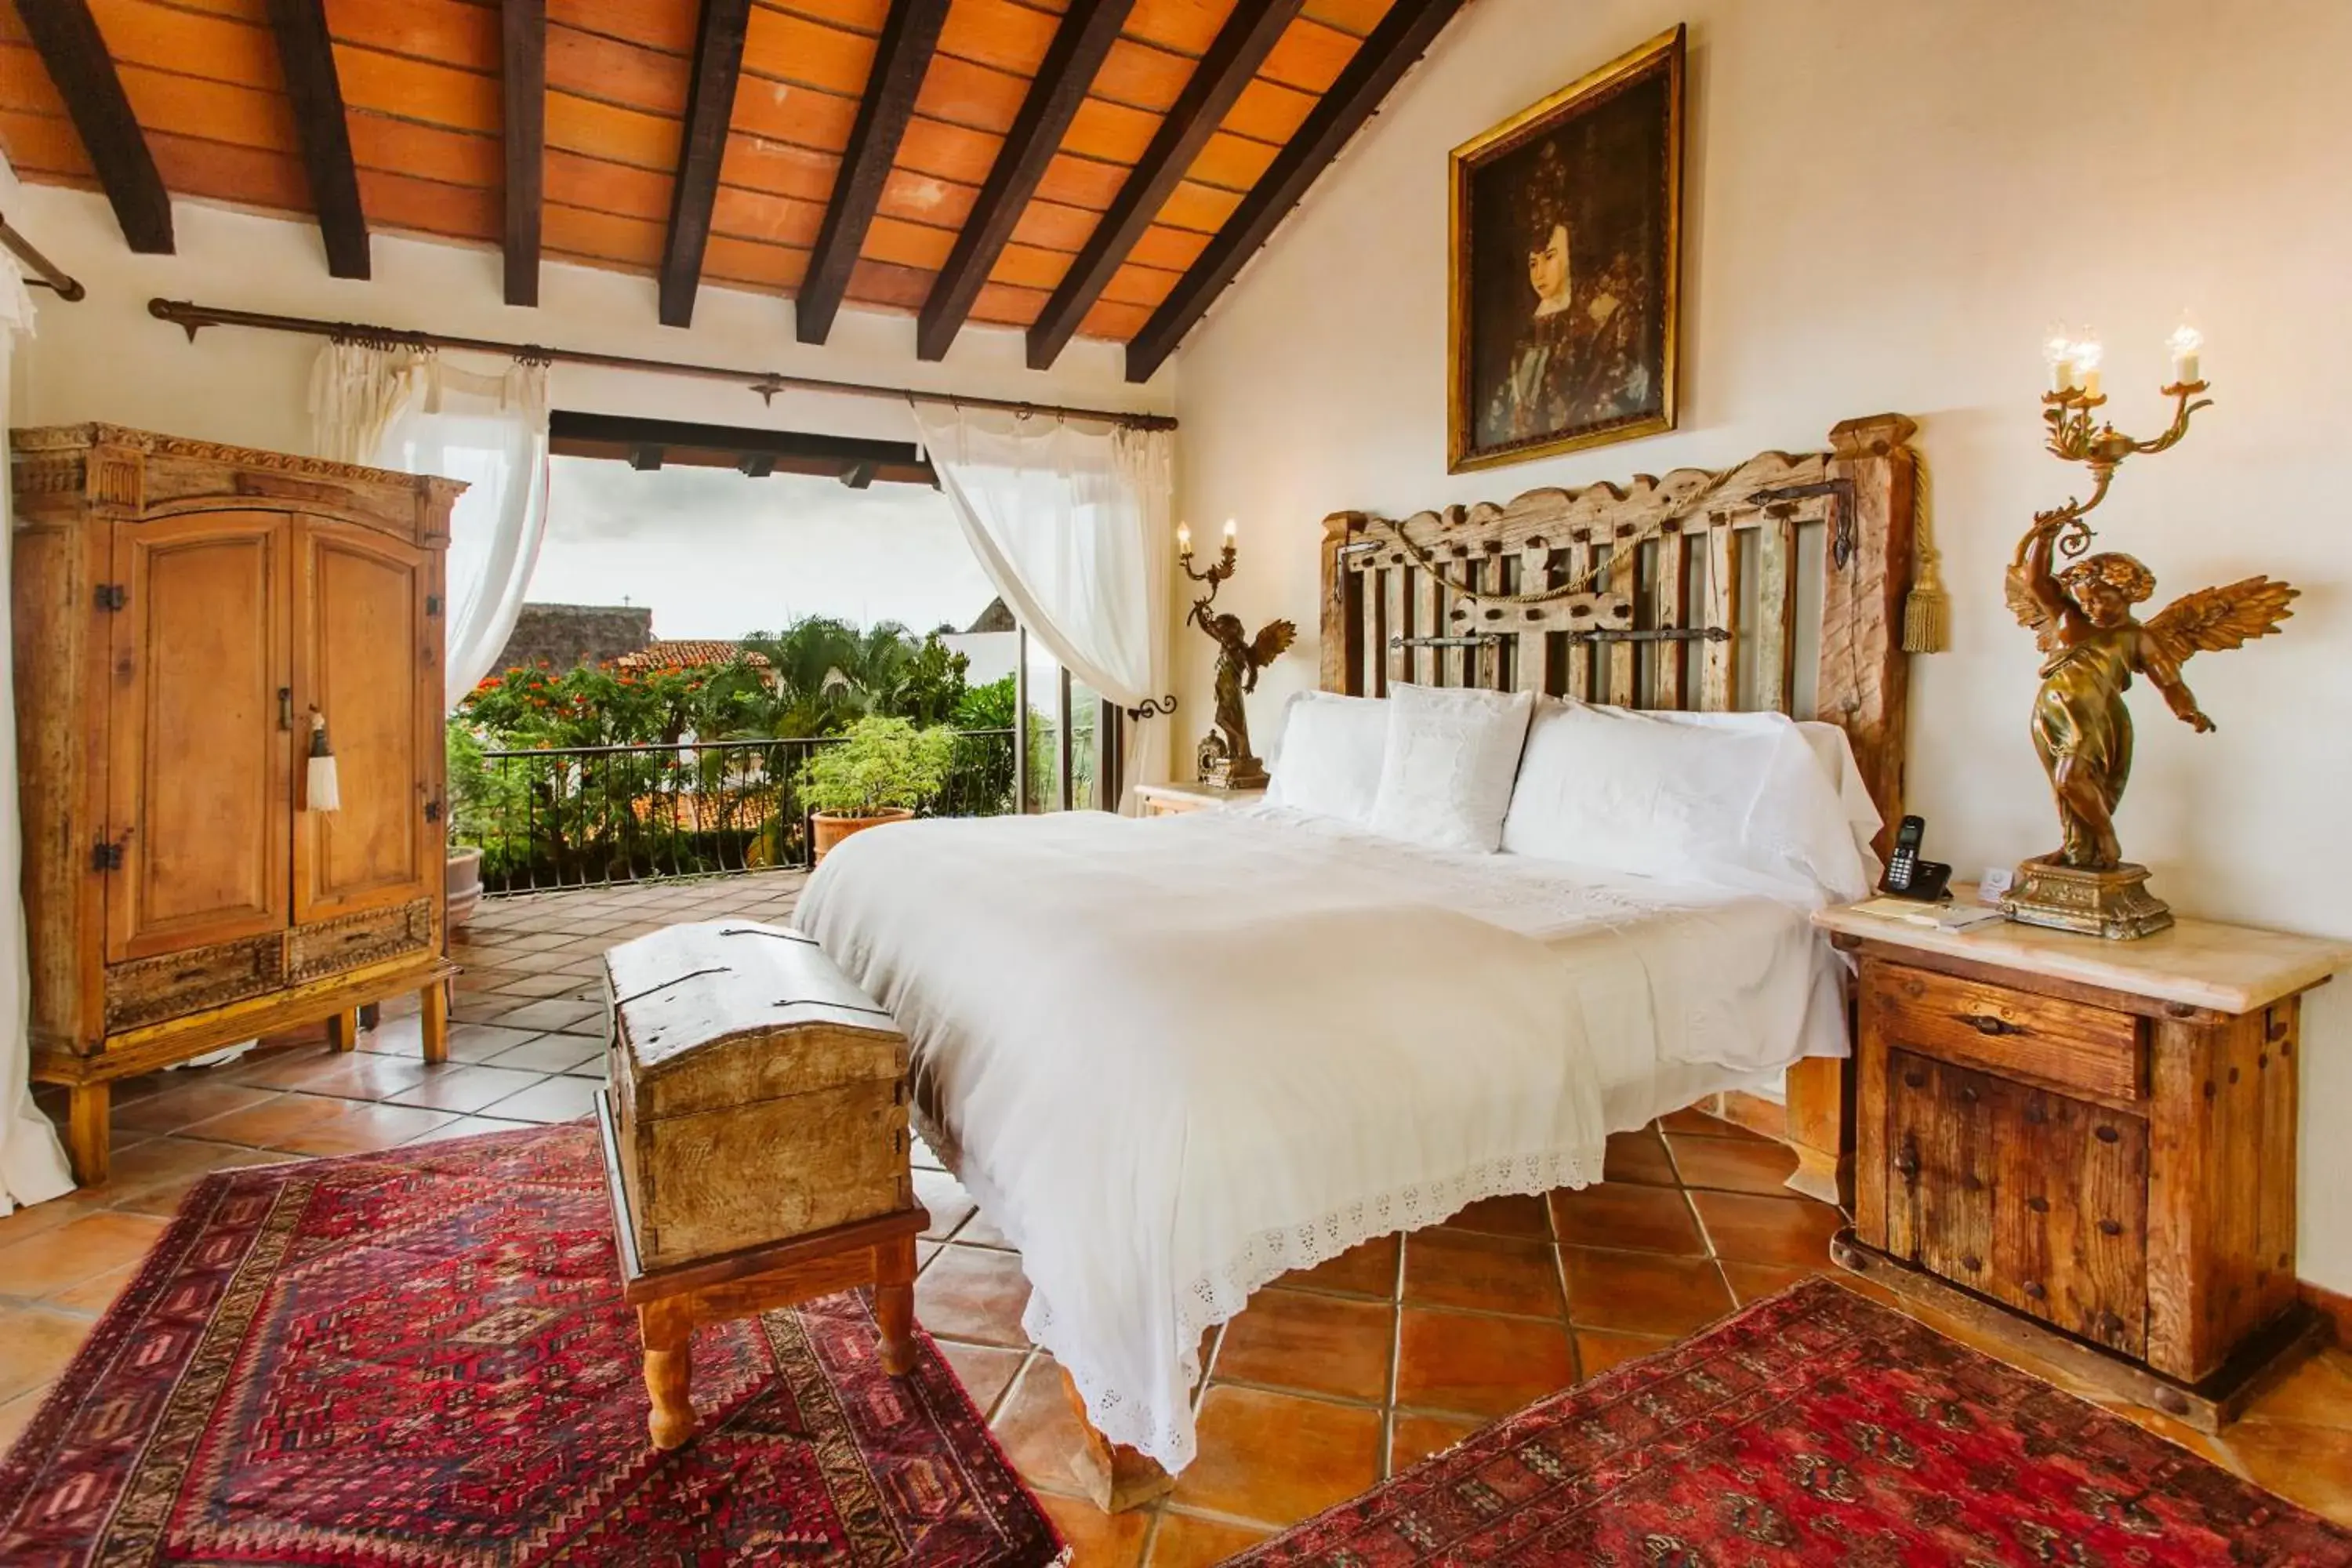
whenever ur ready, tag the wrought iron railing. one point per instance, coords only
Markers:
(585, 816)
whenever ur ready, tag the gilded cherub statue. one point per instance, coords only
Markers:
(1239, 660)
(2082, 618)
(1225, 756)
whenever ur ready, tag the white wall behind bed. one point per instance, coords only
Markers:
(1882, 212)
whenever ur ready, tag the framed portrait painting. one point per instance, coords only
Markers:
(1567, 259)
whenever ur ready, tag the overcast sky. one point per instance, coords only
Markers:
(718, 555)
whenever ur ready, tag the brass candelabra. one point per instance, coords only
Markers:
(1223, 756)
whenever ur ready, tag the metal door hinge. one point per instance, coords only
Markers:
(432, 811)
(106, 857)
(113, 596)
(432, 603)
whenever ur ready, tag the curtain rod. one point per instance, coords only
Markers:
(190, 317)
(44, 271)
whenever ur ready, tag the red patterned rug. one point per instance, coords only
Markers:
(422, 1358)
(1815, 1427)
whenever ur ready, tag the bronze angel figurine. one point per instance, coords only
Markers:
(2082, 618)
(1239, 660)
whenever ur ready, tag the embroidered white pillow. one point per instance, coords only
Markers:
(1446, 776)
(1328, 758)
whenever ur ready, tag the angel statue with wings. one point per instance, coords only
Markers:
(2082, 618)
(1239, 659)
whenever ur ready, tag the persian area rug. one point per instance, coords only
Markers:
(422, 1358)
(1815, 1427)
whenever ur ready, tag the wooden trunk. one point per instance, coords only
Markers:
(758, 1095)
(181, 608)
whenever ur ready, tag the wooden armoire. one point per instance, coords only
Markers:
(181, 609)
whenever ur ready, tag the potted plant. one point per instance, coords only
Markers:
(882, 771)
(468, 780)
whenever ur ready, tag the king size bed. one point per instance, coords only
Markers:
(1173, 1059)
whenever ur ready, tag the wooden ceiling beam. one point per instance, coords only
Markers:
(306, 55)
(1380, 62)
(1088, 30)
(1248, 35)
(522, 50)
(709, 106)
(900, 61)
(75, 53)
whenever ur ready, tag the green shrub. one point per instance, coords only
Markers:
(882, 764)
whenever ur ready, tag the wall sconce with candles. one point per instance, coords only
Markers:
(1223, 757)
(2080, 615)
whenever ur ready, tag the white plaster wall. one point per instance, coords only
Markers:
(106, 358)
(1885, 206)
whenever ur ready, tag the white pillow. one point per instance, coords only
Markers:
(1445, 778)
(1326, 759)
(1739, 799)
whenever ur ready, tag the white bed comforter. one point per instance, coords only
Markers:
(1175, 1058)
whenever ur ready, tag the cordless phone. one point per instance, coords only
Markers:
(1908, 876)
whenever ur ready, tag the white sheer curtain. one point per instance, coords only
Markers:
(31, 1164)
(422, 414)
(1070, 520)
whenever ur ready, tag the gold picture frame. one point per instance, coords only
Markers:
(1576, 200)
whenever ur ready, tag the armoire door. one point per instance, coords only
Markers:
(367, 655)
(199, 739)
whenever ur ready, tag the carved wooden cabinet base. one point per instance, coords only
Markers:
(2091, 1152)
(180, 610)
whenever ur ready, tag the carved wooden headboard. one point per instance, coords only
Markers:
(1775, 585)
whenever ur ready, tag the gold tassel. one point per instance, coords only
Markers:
(1927, 610)
(322, 790)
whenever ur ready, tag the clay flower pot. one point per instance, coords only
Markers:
(461, 881)
(831, 829)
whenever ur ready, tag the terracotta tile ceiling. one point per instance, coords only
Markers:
(215, 86)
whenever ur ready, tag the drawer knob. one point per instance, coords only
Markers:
(1987, 1023)
(2108, 1135)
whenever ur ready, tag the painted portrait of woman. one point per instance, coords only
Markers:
(1565, 259)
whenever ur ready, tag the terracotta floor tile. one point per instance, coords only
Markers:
(1745, 1228)
(982, 1231)
(549, 1053)
(94, 1296)
(1315, 1344)
(2214, 1450)
(1368, 1269)
(35, 1346)
(1703, 1124)
(1597, 1350)
(549, 1099)
(1754, 1281)
(482, 978)
(465, 1089)
(1642, 1293)
(182, 1104)
(1627, 1215)
(1481, 1273)
(985, 1370)
(367, 1075)
(17, 1413)
(286, 1069)
(1039, 1431)
(266, 1126)
(1514, 1215)
(1639, 1157)
(40, 1218)
(1739, 1166)
(2316, 1394)
(366, 1127)
(1412, 1438)
(556, 1013)
(2312, 1465)
(469, 1127)
(481, 1042)
(968, 1293)
(1185, 1540)
(533, 986)
(949, 1205)
(82, 1248)
(1329, 1454)
(1098, 1540)
(1478, 1365)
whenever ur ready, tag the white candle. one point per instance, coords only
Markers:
(2087, 353)
(2058, 352)
(2184, 343)
(1231, 529)
(1183, 539)
(2062, 375)
(2090, 384)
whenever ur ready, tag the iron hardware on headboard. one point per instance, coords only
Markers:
(1841, 494)
(1596, 634)
(1475, 639)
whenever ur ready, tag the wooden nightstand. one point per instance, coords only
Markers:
(2088, 1147)
(1176, 799)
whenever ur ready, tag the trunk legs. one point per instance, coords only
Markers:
(667, 1328)
(893, 1303)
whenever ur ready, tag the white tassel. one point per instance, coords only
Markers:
(322, 790)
